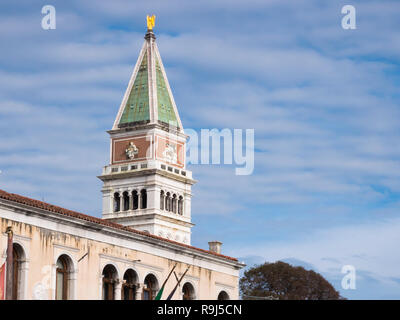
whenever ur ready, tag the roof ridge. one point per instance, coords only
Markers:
(53, 208)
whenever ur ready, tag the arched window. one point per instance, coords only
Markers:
(180, 205)
(126, 200)
(62, 277)
(117, 202)
(135, 200)
(150, 287)
(129, 285)
(110, 277)
(188, 291)
(18, 260)
(167, 201)
(174, 203)
(162, 199)
(223, 296)
(143, 195)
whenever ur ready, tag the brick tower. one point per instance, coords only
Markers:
(146, 185)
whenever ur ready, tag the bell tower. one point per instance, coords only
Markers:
(146, 184)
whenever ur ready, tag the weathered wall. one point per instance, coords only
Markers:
(43, 246)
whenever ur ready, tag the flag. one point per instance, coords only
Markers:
(2, 278)
(159, 294)
(173, 291)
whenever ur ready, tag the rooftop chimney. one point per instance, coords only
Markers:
(215, 246)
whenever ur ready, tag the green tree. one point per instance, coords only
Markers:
(280, 280)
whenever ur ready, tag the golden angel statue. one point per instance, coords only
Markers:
(151, 21)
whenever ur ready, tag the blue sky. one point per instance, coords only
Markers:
(323, 101)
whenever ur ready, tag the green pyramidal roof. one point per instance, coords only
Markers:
(148, 98)
(166, 111)
(137, 106)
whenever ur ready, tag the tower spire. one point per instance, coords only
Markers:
(148, 98)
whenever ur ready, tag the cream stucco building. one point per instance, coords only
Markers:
(145, 230)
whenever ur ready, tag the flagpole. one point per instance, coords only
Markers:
(173, 291)
(160, 292)
(9, 268)
(165, 281)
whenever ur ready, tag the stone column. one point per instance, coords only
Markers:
(139, 291)
(154, 293)
(24, 273)
(101, 297)
(72, 280)
(130, 200)
(180, 206)
(121, 201)
(118, 288)
(139, 199)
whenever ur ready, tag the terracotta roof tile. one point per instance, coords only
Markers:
(49, 207)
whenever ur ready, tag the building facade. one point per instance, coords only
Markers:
(145, 229)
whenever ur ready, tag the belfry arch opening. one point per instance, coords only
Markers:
(168, 202)
(143, 198)
(117, 202)
(125, 196)
(135, 200)
(180, 205)
(174, 203)
(162, 200)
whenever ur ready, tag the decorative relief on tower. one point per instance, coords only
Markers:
(170, 151)
(170, 154)
(131, 151)
(136, 148)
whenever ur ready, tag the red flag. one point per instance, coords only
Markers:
(2, 278)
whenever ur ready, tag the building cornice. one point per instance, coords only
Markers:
(145, 172)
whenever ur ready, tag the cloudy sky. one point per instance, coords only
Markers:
(323, 101)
